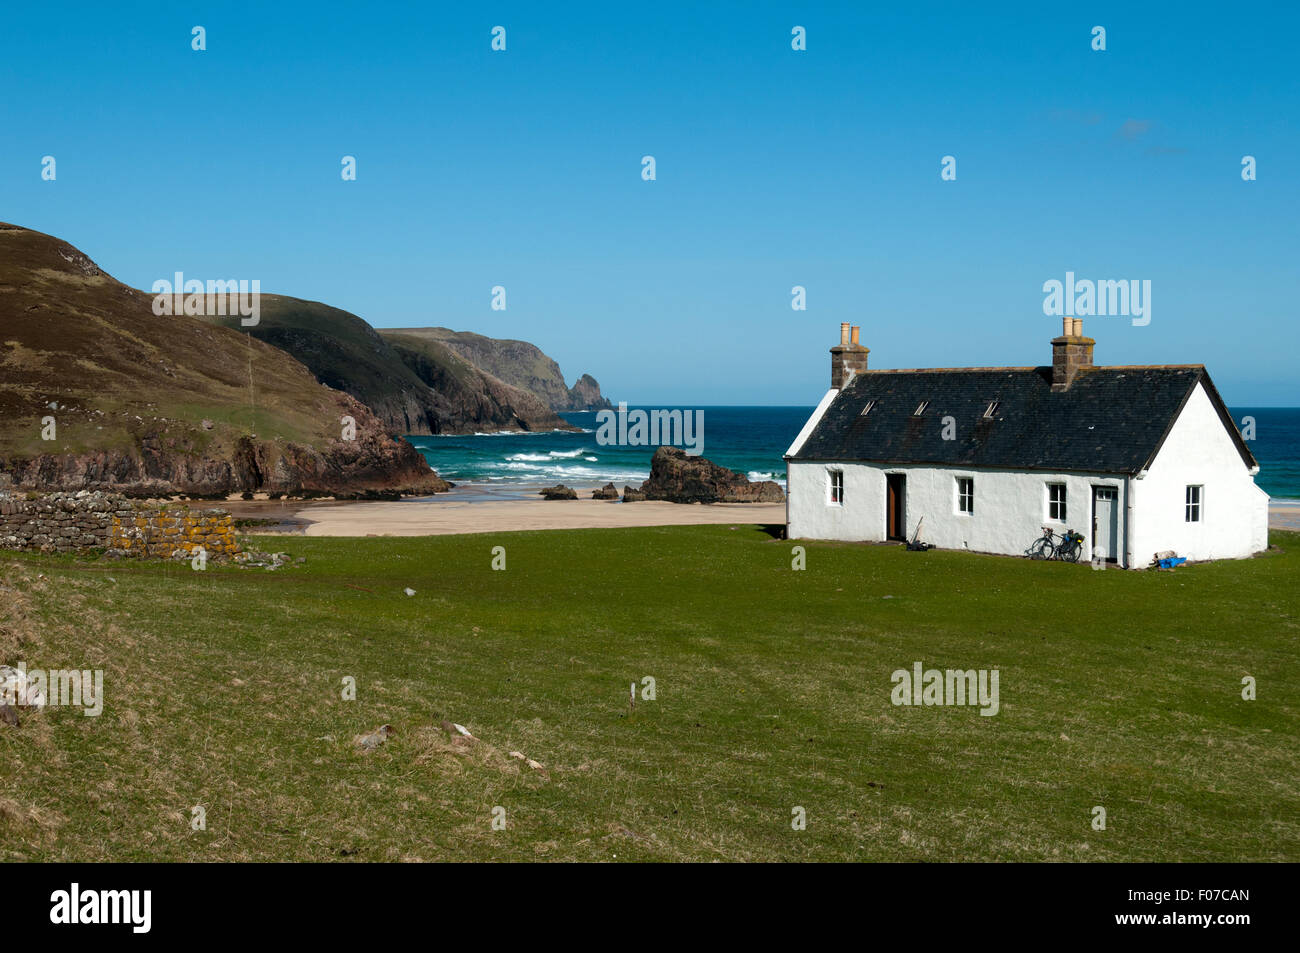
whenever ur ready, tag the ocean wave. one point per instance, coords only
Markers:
(411, 438)
(547, 457)
(532, 471)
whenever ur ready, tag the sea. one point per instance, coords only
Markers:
(750, 440)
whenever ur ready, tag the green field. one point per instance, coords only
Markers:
(223, 689)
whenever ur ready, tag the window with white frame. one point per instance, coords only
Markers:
(835, 495)
(1194, 504)
(966, 495)
(1056, 502)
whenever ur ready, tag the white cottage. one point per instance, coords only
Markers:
(1138, 459)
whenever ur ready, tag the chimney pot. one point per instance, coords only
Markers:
(849, 358)
(1071, 352)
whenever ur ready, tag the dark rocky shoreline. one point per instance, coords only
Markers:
(678, 477)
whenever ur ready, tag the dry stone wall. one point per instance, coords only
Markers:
(87, 520)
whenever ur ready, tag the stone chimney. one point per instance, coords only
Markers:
(1071, 352)
(849, 358)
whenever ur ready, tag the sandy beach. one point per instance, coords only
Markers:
(437, 518)
(472, 510)
(1284, 515)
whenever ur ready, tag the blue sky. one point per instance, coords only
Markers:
(775, 168)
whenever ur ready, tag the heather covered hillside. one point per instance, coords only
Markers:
(436, 392)
(96, 390)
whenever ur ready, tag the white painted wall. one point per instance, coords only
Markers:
(1011, 506)
(1198, 450)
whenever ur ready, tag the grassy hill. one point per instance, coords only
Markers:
(442, 393)
(130, 392)
(517, 363)
(1117, 689)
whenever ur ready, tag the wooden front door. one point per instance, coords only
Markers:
(895, 506)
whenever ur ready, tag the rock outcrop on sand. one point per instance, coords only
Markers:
(679, 478)
(632, 496)
(607, 492)
(559, 492)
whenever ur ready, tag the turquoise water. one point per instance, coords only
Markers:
(750, 440)
(1277, 448)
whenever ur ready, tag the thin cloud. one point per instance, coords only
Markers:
(1134, 129)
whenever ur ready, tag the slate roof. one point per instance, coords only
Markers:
(1110, 420)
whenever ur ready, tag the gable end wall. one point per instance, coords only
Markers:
(1198, 450)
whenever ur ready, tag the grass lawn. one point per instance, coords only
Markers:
(223, 689)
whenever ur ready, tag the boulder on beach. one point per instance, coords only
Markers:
(632, 496)
(607, 492)
(559, 492)
(678, 477)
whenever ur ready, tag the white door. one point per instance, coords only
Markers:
(1105, 523)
